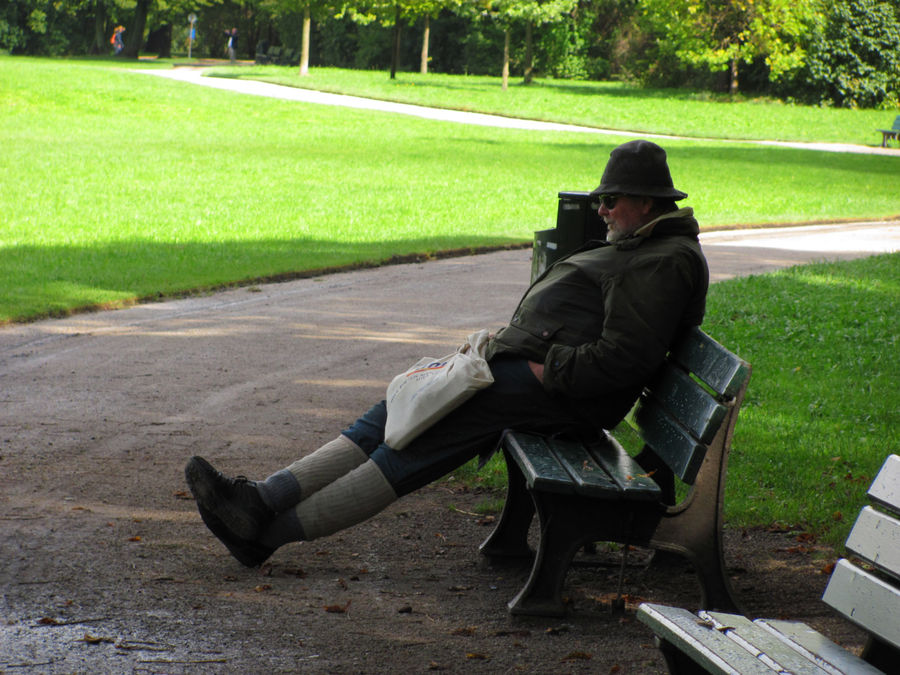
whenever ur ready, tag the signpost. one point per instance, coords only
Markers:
(193, 19)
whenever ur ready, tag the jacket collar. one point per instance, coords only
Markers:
(685, 225)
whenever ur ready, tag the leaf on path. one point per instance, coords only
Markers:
(95, 639)
(577, 656)
(337, 609)
(262, 588)
(477, 656)
(466, 631)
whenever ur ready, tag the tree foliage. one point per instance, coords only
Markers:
(833, 52)
(854, 57)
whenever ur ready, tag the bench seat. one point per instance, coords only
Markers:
(867, 594)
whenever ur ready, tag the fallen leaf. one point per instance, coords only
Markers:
(337, 609)
(477, 656)
(466, 631)
(406, 609)
(48, 621)
(827, 569)
(134, 539)
(577, 656)
(95, 640)
(262, 587)
(837, 516)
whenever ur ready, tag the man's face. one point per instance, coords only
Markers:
(624, 214)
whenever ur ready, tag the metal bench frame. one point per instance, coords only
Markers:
(594, 491)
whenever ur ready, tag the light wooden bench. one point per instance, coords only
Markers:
(892, 133)
(592, 491)
(865, 591)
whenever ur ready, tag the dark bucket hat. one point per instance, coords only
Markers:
(638, 168)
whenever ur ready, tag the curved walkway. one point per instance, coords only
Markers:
(196, 75)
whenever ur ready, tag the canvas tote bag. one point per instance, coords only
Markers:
(431, 388)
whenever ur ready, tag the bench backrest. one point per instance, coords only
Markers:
(688, 403)
(896, 126)
(870, 597)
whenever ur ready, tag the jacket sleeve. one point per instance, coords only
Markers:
(643, 308)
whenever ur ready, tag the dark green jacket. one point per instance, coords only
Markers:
(602, 320)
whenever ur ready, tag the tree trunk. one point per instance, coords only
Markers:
(529, 55)
(733, 80)
(135, 38)
(395, 55)
(505, 59)
(426, 36)
(304, 45)
(101, 39)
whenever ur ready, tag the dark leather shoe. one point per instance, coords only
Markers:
(248, 553)
(234, 502)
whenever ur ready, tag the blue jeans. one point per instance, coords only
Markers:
(515, 400)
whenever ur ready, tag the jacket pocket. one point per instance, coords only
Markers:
(540, 326)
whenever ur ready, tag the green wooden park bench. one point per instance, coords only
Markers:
(587, 491)
(892, 133)
(866, 591)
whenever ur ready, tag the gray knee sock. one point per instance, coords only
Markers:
(349, 500)
(284, 489)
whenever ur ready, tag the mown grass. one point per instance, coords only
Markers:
(120, 186)
(822, 411)
(607, 105)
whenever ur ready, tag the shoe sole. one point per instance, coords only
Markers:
(248, 553)
(201, 479)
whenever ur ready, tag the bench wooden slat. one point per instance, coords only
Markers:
(670, 441)
(775, 653)
(876, 537)
(628, 475)
(690, 403)
(539, 465)
(817, 647)
(711, 362)
(866, 600)
(696, 638)
(885, 490)
(590, 478)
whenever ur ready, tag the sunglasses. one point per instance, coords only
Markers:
(609, 201)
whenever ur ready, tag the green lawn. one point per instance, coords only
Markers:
(119, 186)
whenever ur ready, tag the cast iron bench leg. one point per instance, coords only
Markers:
(510, 537)
(562, 533)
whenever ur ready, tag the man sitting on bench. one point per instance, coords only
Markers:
(582, 342)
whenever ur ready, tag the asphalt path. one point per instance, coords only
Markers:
(196, 75)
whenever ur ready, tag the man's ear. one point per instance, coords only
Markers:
(647, 205)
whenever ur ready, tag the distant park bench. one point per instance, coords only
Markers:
(866, 593)
(280, 56)
(892, 133)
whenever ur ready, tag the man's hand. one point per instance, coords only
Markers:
(538, 370)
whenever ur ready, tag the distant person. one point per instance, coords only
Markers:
(232, 44)
(117, 40)
(584, 339)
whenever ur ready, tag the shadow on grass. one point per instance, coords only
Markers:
(54, 281)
